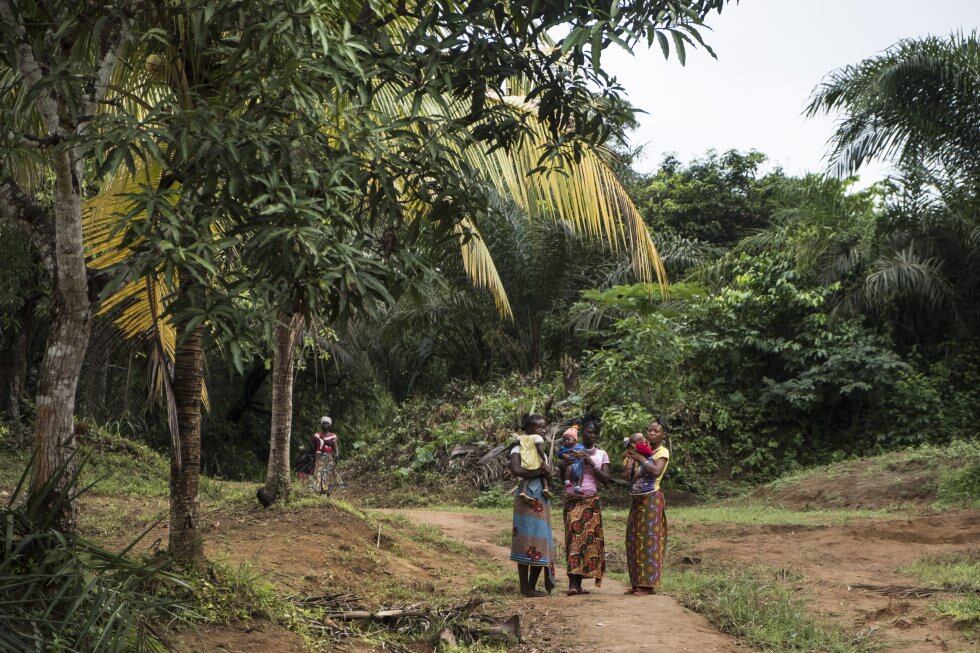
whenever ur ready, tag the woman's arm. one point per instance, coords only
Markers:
(517, 470)
(655, 468)
(601, 473)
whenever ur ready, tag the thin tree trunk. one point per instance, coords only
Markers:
(67, 340)
(13, 362)
(186, 544)
(287, 332)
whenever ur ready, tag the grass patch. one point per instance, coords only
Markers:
(965, 610)
(960, 487)
(474, 648)
(761, 610)
(495, 497)
(960, 572)
(755, 515)
(425, 534)
(749, 514)
(758, 514)
(502, 583)
(956, 572)
(239, 594)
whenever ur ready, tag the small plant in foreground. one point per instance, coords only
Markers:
(62, 593)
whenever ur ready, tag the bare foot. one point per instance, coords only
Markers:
(526, 498)
(643, 591)
(546, 494)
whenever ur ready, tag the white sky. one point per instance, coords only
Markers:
(771, 53)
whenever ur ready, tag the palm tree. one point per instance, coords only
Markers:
(920, 99)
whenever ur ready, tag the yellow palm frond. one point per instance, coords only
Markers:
(586, 194)
(480, 267)
(137, 309)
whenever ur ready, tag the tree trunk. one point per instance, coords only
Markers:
(186, 545)
(13, 362)
(287, 332)
(66, 343)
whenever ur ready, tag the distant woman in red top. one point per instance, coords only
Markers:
(326, 448)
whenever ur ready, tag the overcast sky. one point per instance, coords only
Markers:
(771, 53)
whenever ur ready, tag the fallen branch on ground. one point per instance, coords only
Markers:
(342, 617)
(900, 591)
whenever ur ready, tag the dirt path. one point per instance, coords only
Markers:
(605, 620)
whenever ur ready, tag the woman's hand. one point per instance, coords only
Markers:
(635, 455)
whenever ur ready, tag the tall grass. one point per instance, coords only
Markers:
(960, 487)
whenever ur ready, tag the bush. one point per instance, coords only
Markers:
(495, 497)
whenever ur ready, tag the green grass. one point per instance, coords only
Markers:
(425, 534)
(959, 572)
(501, 582)
(759, 514)
(762, 610)
(755, 514)
(238, 593)
(965, 610)
(747, 514)
(960, 487)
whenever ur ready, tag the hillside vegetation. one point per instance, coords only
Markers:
(428, 452)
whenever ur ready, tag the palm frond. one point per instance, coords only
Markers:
(480, 267)
(584, 194)
(920, 97)
(906, 275)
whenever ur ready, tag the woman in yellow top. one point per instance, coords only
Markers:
(646, 528)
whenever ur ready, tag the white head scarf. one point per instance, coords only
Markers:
(326, 421)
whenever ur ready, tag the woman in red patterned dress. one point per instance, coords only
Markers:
(646, 527)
